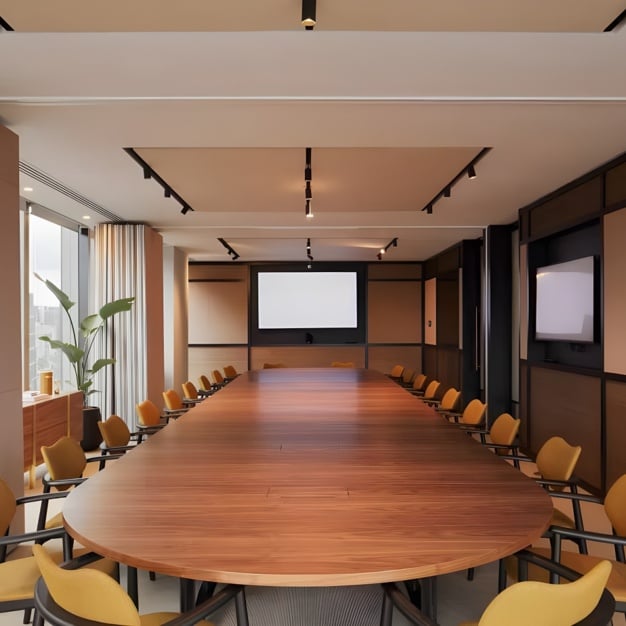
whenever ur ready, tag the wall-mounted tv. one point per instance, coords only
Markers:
(565, 301)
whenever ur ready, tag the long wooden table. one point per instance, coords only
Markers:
(308, 477)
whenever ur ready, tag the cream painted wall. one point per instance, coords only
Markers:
(11, 449)
(175, 316)
(614, 292)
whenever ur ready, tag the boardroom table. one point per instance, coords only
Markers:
(308, 478)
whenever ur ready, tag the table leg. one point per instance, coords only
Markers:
(131, 584)
(187, 594)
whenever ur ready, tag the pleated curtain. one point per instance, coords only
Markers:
(119, 271)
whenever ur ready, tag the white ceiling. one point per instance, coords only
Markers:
(392, 117)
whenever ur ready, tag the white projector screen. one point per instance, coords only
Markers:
(565, 301)
(307, 300)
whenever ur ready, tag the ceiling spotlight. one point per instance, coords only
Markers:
(308, 209)
(471, 172)
(308, 194)
(308, 14)
(147, 173)
(429, 209)
(447, 192)
(394, 242)
(307, 165)
(382, 251)
(235, 256)
(186, 208)
(379, 256)
(167, 192)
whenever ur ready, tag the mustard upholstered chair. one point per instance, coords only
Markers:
(473, 414)
(430, 393)
(230, 373)
(271, 366)
(116, 436)
(18, 575)
(205, 386)
(218, 378)
(615, 509)
(396, 372)
(82, 596)
(529, 603)
(418, 386)
(502, 434)
(191, 393)
(149, 418)
(449, 400)
(174, 405)
(65, 463)
(406, 380)
(346, 364)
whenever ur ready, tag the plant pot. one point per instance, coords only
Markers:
(91, 433)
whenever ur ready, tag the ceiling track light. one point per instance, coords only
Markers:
(149, 173)
(392, 244)
(469, 170)
(308, 249)
(308, 14)
(308, 209)
(308, 193)
(231, 251)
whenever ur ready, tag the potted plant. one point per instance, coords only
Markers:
(78, 353)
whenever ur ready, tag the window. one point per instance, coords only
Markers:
(52, 251)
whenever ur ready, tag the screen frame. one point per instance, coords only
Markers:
(300, 336)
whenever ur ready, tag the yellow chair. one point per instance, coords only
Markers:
(72, 596)
(219, 379)
(473, 414)
(270, 366)
(149, 419)
(116, 437)
(18, 576)
(342, 364)
(174, 405)
(529, 603)
(502, 434)
(230, 373)
(191, 393)
(449, 401)
(65, 463)
(418, 386)
(431, 390)
(614, 505)
(396, 372)
(406, 380)
(205, 386)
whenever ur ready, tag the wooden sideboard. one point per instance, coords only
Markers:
(46, 419)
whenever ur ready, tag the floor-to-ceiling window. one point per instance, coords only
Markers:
(50, 250)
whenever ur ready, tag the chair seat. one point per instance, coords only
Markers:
(561, 519)
(55, 521)
(582, 563)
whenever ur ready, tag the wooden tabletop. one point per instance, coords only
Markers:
(308, 477)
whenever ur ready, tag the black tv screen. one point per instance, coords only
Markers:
(565, 301)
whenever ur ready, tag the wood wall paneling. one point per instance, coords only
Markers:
(394, 312)
(615, 193)
(569, 405)
(568, 209)
(306, 356)
(614, 292)
(394, 271)
(448, 367)
(383, 358)
(218, 312)
(205, 359)
(615, 404)
(524, 431)
(523, 302)
(447, 314)
(430, 362)
(430, 311)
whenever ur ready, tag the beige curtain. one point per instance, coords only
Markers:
(119, 271)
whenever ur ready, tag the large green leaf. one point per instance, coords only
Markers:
(117, 306)
(100, 363)
(90, 324)
(61, 296)
(72, 352)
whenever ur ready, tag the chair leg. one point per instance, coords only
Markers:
(38, 621)
(501, 575)
(241, 609)
(27, 615)
(151, 575)
(470, 573)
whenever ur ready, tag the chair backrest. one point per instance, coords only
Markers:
(7, 507)
(539, 603)
(87, 593)
(504, 430)
(396, 371)
(474, 413)
(450, 399)
(189, 391)
(172, 400)
(270, 366)
(342, 364)
(431, 389)
(64, 459)
(556, 460)
(230, 371)
(219, 379)
(204, 382)
(114, 431)
(408, 376)
(419, 381)
(615, 505)
(148, 413)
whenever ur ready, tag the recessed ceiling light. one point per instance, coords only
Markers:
(27, 188)
(86, 217)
